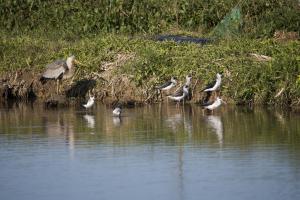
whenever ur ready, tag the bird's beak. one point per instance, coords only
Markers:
(223, 101)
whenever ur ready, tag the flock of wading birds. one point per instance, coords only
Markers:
(63, 69)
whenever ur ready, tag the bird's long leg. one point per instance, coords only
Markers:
(160, 93)
(57, 86)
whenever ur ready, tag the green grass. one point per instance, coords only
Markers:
(261, 18)
(245, 79)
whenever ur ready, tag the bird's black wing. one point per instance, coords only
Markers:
(209, 85)
(207, 96)
(163, 85)
(204, 104)
(189, 96)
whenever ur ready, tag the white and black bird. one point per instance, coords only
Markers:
(89, 103)
(181, 97)
(117, 111)
(179, 90)
(58, 70)
(167, 85)
(213, 86)
(213, 105)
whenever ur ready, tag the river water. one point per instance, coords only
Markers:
(151, 152)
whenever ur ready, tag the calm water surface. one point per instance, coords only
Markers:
(152, 152)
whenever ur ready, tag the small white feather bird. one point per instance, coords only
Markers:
(215, 104)
(117, 112)
(89, 103)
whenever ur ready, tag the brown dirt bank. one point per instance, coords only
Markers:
(108, 87)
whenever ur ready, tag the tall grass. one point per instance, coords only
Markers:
(72, 17)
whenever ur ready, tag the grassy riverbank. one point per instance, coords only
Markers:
(147, 62)
(112, 40)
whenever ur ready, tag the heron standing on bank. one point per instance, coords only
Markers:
(58, 70)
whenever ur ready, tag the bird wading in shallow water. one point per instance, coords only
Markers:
(181, 97)
(117, 111)
(89, 103)
(166, 86)
(211, 87)
(58, 70)
(179, 91)
(213, 105)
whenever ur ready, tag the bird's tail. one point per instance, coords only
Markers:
(43, 80)
(170, 97)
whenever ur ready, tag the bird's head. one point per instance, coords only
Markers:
(186, 89)
(174, 80)
(221, 100)
(71, 61)
(188, 78)
(219, 75)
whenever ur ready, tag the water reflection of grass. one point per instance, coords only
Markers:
(239, 127)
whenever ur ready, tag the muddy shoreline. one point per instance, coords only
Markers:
(108, 87)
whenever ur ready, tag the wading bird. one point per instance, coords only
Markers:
(58, 70)
(179, 90)
(181, 97)
(168, 85)
(213, 86)
(213, 105)
(90, 102)
(117, 111)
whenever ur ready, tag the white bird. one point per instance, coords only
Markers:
(213, 105)
(185, 93)
(179, 90)
(90, 102)
(117, 111)
(168, 85)
(213, 86)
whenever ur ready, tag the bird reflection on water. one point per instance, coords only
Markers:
(90, 119)
(217, 126)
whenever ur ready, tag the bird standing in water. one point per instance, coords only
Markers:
(213, 105)
(179, 91)
(58, 70)
(166, 86)
(117, 111)
(181, 97)
(90, 102)
(211, 87)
